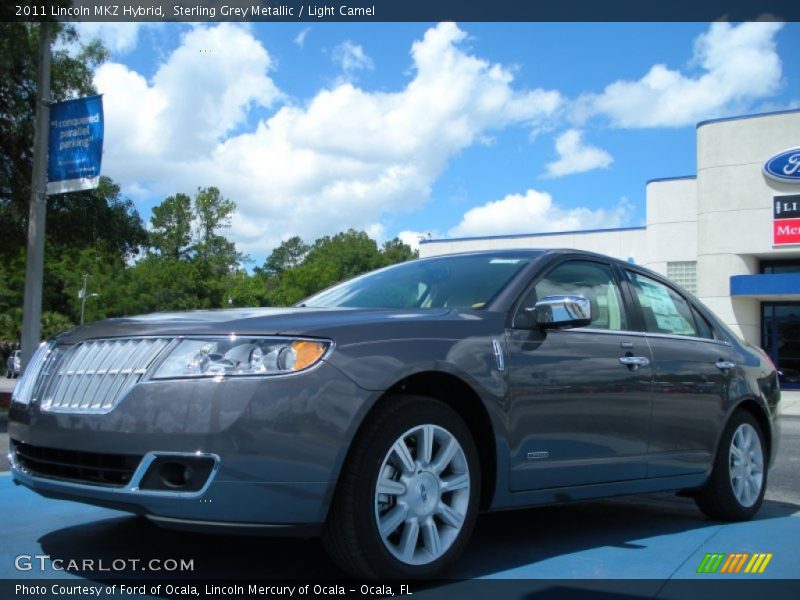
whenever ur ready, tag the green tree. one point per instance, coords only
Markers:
(245, 290)
(332, 259)
(53, 323)
(213, 213)
(71, 76)
(93, 230)
(11, 325)
(155, 284)
(396, 251)
(286, 256)
(171, 233)
(107, 277)
(101, 215)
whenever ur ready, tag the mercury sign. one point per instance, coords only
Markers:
(76, 145)
(784, 166)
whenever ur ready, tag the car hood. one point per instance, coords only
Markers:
(319, 322)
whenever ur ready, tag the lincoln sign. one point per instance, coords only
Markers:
(786, 220)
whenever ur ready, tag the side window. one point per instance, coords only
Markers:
(593, 280)
(704, 328)
(665, 311)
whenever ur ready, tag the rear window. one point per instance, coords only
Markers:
(664, 310)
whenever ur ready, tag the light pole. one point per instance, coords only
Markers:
(34, 270)
(83, 295)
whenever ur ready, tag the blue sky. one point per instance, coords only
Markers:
(403, 129)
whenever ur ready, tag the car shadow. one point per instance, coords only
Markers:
(502, 541)
(505, 540)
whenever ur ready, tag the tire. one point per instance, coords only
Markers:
(411, 506)
(728, 498)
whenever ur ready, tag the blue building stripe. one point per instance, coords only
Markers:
(777, 284)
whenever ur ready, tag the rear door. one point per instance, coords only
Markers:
(692, 369)
(578, 414)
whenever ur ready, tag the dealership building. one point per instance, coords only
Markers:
(730, 234)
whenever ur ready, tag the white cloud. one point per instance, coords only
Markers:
(535, 211)
(738, 65)
(119, 38)
(351, 57)
(377, 231)
(200, 94)
(574, 156)
(413, 238)
(348, 158)
(300, 38)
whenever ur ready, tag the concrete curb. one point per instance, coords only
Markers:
(790, 403)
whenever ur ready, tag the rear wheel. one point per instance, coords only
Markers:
(407, 498)
(735, 490)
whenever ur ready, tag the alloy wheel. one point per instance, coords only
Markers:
(746, 460)
(422, 494)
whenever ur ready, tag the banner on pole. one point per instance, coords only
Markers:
(76, 145)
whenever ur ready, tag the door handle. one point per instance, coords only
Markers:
(724, 364)
(634, 361)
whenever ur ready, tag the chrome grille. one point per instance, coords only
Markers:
(91, 377)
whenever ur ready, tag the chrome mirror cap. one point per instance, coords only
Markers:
(553, 312)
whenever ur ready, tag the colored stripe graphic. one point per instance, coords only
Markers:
(734, 562)
(703, 563)
(757, 564)
(765, 563)
(752, 562)
(728, 563)
(740, 564)
(710, 563)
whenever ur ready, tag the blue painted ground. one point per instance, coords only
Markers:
(657, 537)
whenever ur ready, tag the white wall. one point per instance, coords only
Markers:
(671, 223)
(722, 218)
(734, 210)
(620, 243)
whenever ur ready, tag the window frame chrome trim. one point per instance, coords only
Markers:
(626, 332)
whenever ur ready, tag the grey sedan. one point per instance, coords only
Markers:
(385, 412)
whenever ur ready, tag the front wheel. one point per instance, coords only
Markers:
(735, 490)
(408, 495)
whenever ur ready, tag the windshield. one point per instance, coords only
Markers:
(446, 282)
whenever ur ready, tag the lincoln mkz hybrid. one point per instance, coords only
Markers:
(385, 412)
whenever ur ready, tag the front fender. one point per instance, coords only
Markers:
(378, 365)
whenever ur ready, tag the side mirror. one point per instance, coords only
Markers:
(562, 312)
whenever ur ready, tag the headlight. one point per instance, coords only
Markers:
(240, 356)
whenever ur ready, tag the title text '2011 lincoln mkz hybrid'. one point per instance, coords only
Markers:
(386, 411)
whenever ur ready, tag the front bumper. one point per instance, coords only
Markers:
(277, 444)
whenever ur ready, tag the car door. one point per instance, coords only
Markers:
(577, 415)
(692, 369)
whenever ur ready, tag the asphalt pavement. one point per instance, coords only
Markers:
(652, 537)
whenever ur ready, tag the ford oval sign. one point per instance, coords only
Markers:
(784, 166)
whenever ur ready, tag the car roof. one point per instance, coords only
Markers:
(529, 253)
